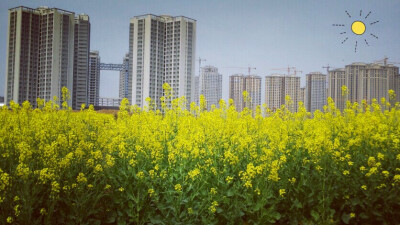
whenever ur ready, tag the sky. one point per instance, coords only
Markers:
(264, 34)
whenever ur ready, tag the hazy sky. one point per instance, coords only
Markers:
(264, 34)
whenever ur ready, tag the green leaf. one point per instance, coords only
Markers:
(230, 193)
(345, 218)
(156, 220)
(315, 215)
(297, 204)
(276, 215)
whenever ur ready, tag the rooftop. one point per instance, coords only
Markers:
(162, 17)
(41, 8)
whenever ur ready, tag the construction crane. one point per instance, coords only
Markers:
(327, 68)
(248, 68)
(200, 60)
(385, 61)
(288, 69)
(295, 71)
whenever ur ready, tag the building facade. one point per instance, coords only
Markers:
(210, 83)
(237, 86)
(110, 102)
(161, 50)
(239, 83)
(363, 82)
(40, 54)
(336, 80)
(277, 87)
(196, 95)
(94, 78)
(81, 61)
(302, 97)
(315, 93)
(274, 91)
(124, 81)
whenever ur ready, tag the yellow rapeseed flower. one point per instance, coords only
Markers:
(364, 187)
(178, 187)
(282, 192)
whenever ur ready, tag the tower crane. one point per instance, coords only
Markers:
(385, 61)
(288, 69)
(327, 68)
(248, 68)
(295, 71)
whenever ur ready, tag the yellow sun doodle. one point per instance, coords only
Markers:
(358, 27)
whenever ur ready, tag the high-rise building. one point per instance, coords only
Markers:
(81, 61)
(94, 78)
(275, 91)
(253, 87)
(237, 86)
(336, 80)
(277, 87)
(315, 93)
(363, 82)
(161, 50)
(239, 83)
(292, 89)
(211, 85)
(302, 97)
(196, 96)
(124, 91)
(56, 52)
(40, 54)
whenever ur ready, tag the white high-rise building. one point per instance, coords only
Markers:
(211, 85)
(81, 61)
(363, 82)
(336, 80)
(236, 89)
(94, 78)
(302, 97)
(124, 79)
(239, 83)
(274, 91)
(47, 49)
(161, 50)
(277, 87)
(196, 96)
(315, 91)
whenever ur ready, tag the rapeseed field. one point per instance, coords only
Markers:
(179, 165)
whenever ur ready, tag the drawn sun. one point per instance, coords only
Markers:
(358, 27)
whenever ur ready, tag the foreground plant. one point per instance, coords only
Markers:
(191, 166)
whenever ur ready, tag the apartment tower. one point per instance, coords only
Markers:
(81, 61)
(124, 82)
(302, 97)
(210, 85)
(161, 50)
(196, 96)
(315, 92)
(363, 82)
(277, 87)
(40, 54)
(336, 80)
(239, 83)
(94, 78)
